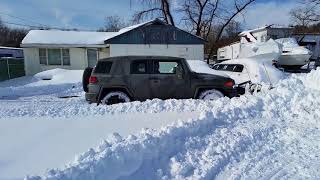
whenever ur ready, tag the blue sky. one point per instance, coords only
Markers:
(89, 14)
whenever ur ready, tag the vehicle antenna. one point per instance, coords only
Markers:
(267, 75)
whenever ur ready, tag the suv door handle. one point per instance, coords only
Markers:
(153, 78)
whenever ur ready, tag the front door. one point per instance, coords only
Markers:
(139, 79)
(92, 56)
(168, 80)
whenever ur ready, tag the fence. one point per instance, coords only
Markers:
(11, 68)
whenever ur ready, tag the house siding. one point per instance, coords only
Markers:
(78, 60)
(191, 52)
(156, 34)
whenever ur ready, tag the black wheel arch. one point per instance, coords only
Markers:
(105, 91)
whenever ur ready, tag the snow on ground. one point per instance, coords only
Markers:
(40, 131)
(270, 135)
(31, 146)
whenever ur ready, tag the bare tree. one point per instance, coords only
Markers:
(199, 14)
(233, 29)
(11, 37)
(155, 8)
(304, 16)
(227, 16)
(113, 24)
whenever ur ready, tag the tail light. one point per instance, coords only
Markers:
(93, 79)
(229, 84)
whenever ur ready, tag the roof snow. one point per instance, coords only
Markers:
(65, 37)
(72, 38)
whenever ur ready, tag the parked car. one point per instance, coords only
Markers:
(250, 73)
(130, 78)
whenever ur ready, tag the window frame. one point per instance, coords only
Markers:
(61, 57)
(148, 69)
(110, 69)
(176, 61)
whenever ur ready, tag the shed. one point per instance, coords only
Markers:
(48, 49)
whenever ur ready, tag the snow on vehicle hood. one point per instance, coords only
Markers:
(199, 66)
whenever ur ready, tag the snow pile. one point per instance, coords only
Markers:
(257, 71)
(312, 80)
(270, 50)
(199, 66)
(43, 83)
(273, 134)
(291, 45)
(60, 76)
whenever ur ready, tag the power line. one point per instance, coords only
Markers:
(27, 20)
(39, 26)
(45, 27)
(18, 24)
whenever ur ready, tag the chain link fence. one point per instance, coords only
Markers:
(11, 68)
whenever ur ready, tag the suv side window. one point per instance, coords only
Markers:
(103, 67)
(166, 67)
(238, 68)
(139, 67)
(230, 67)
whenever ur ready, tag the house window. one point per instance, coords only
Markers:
(66, 56)
(54, 56)
(43, 56)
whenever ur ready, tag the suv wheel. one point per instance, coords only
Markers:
(115, 97)
(210, 95)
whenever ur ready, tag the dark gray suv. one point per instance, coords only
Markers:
(130, 78)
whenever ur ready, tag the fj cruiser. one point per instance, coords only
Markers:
(129, 78)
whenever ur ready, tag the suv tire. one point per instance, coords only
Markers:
(85, 78)
(115, 97)
(211, 94)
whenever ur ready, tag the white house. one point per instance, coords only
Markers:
(48, 49)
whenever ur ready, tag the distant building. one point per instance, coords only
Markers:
(310, 41)
(262, 34)
(48, 49)
(265, 33)
(11, 52)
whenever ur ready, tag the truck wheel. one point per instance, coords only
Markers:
(85, 78)
(115, 97)
(211, 94)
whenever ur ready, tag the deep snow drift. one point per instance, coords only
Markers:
(273, 134)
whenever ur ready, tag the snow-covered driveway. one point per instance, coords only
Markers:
(33, 145)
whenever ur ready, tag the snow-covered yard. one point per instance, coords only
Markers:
(272, 134)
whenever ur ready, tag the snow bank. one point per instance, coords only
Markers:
(43, 83)
(257, 70)
(59, 76)
(273, 134)
(270, 50)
